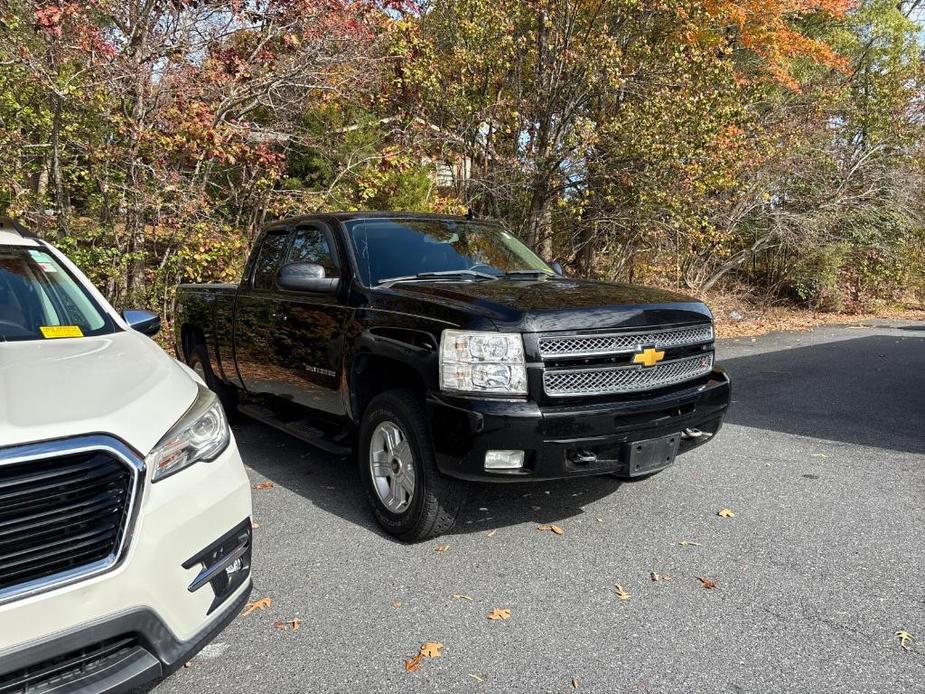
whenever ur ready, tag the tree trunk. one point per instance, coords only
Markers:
(61, 200)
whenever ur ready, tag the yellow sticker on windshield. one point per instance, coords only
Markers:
(54, 331)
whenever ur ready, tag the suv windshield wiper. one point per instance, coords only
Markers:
(445, 274)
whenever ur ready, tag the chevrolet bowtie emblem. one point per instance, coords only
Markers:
(648, 357)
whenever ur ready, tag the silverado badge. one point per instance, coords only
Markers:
(648, 357)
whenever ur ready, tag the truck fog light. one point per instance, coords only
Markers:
(504, 460)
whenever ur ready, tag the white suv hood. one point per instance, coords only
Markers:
(121, 384)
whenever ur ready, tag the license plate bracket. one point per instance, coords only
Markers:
(651, 455)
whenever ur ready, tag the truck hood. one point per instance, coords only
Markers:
(557, 304)
(121, 384)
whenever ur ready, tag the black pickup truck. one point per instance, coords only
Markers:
(441, 350)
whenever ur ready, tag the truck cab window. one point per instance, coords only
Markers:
(268, 262)
(310, 244)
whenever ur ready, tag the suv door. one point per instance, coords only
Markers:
(312, 326)
(256, 327)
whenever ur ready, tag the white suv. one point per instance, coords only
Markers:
(125, 532)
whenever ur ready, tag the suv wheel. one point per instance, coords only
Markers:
(198, 361)
(410, 498)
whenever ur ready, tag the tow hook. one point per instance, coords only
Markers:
(694, 434)
(582, 456)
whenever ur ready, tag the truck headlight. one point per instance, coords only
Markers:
(200, 434)
(482, 362)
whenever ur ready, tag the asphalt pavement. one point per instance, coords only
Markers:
(822, 462)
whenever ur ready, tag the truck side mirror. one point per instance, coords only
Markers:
(146, 322)
(557, 268)
(305, 276)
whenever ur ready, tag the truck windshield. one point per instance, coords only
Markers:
(40, 300)
(396, 249)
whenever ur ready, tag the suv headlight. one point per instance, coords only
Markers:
(482, 362)
(200, 434)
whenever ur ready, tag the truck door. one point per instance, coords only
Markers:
(311, 327)
(256, 326)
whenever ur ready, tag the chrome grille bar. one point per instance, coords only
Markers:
(624, 379)
(554, 346)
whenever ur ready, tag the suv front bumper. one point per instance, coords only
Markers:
(145, 617)
(557, 440)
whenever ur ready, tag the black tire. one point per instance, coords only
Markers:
(227, 395)
(437, 499)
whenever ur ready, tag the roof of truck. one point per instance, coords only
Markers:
(347, 216)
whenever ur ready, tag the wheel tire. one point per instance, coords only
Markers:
(436, 499)
(198, 361)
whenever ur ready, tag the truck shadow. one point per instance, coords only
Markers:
(868, 391)
(334, 485)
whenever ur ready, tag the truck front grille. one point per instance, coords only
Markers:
(625, 379)
(566, 346)
(63, 513)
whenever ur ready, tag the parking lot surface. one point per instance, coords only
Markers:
(822, 462)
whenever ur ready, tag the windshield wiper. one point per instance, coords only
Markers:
(444, 274)
(528, 273)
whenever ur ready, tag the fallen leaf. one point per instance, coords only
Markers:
(575, 684)
(441, 548)
(477, 678)
(726, 513)
(708, 584)
(264, 485)
(551, 528)
(256, 605)
(396, 604)
(499, 613)
(491, 533)
(904, 638)
(621, 593)
(431, 649)
(413, 663)
(655, 576)
(188, 663)
(254, 526)
(689, 543)
(460, 596)
(600, 520)
(820, 455)
(293, 623)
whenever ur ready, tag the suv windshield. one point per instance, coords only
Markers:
(39, 299)
(391, 249)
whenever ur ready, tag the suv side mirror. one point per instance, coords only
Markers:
(306, 277)
(556, 268)
(146, 322)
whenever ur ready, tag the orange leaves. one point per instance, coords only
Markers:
(707, 583)
(413, 664)
(441, 548)
(551, 528)
(429, 649)
(499, 613)
(726, 513)
(260, 604)
(266, 484)
(293, 624)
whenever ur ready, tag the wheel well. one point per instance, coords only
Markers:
(190, 336)
(373, 375)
